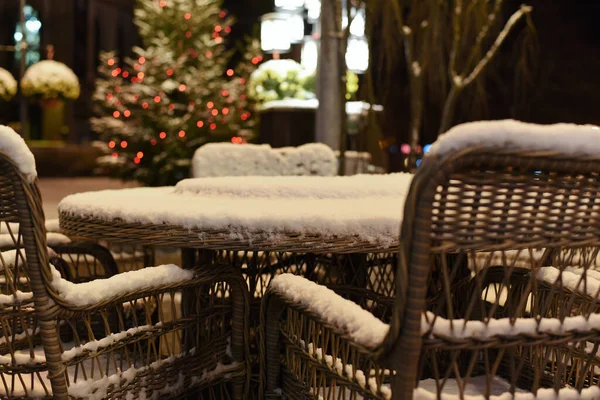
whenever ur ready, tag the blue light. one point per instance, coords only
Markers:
(393, 149)
(538, 172)
(427, 148)
(419, 162)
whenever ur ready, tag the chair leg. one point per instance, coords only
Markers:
(271, 309)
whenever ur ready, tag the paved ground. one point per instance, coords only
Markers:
(54, 189)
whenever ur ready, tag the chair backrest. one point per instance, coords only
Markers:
(228, 159)
(23, 272)
(512, 192)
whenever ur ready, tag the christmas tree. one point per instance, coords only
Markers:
(178, 92)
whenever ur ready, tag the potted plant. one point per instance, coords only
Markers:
(50, 83)
(8, 85)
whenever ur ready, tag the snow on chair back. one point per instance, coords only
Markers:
(22, 360)
(514, 192)
(227, 159)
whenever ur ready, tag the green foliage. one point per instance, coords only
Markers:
(178, 93)
(287, 79)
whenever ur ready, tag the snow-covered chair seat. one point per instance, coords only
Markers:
(228, 159)
(488, 187)
(107, 337)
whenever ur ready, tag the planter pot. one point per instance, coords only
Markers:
(50, 103)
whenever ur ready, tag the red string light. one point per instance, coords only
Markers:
(213, 126)
(116, 114)
(110, 62)
(127, 113)
(209, 54)
(228, 29)
(219, 40)
(187, 15)
(153, 142)
(224, 93)
(141, 75)
(162, 135)
(200, 124)
(181, 133)
(188, 34)
(109, 96)
(171, 107)
(125, 74)
(236, 140)
(222, 14)
(215, 112)
(230, 72)
(124, 144)
(225, 111)
(144, 105)
(157, 99)
(210, 104)
(182, 87)
(140, 154)
(112, 144)
(162, 3)
(136, 160)
(218, 28)
(114, 155)
(169, 72)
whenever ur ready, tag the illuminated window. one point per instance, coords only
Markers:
(31, 36)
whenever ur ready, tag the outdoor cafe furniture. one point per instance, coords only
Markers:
(340, 230)
(107, 338)
(526, 326)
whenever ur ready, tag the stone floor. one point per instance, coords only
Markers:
(55, 189)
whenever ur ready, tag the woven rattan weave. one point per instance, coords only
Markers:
(480, 208)
(138, 343)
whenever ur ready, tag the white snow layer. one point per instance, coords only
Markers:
(567, 139)
(372, 216)
(305, 187)
(352, 107)
(88, 293)
(358, 323)
(228, 159)
(367, 330)
(15, 148)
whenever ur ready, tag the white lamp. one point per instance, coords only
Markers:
(295, 26)
(357, 27)
(313, 8)
(289, 4)
(357, 54)
(274, 33)
(310, 54)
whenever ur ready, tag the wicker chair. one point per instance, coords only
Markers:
(62, 339)
(524, 322)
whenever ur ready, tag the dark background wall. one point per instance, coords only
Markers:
(563, 86)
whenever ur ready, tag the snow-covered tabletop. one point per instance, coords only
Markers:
(268, 212)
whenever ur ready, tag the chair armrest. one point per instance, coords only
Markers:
(102, 254)
(100, 294)
(350, 319)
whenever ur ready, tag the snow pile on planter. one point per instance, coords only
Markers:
(13, 146)
(49, 79)
(228, 159)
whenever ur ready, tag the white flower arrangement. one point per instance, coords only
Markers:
(278, 80)
(8, 85)
(50, 79)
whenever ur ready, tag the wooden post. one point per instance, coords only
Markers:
(329, 124)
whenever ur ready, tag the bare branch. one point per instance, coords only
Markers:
(456, 16)
(512, 21)
(485, 30)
